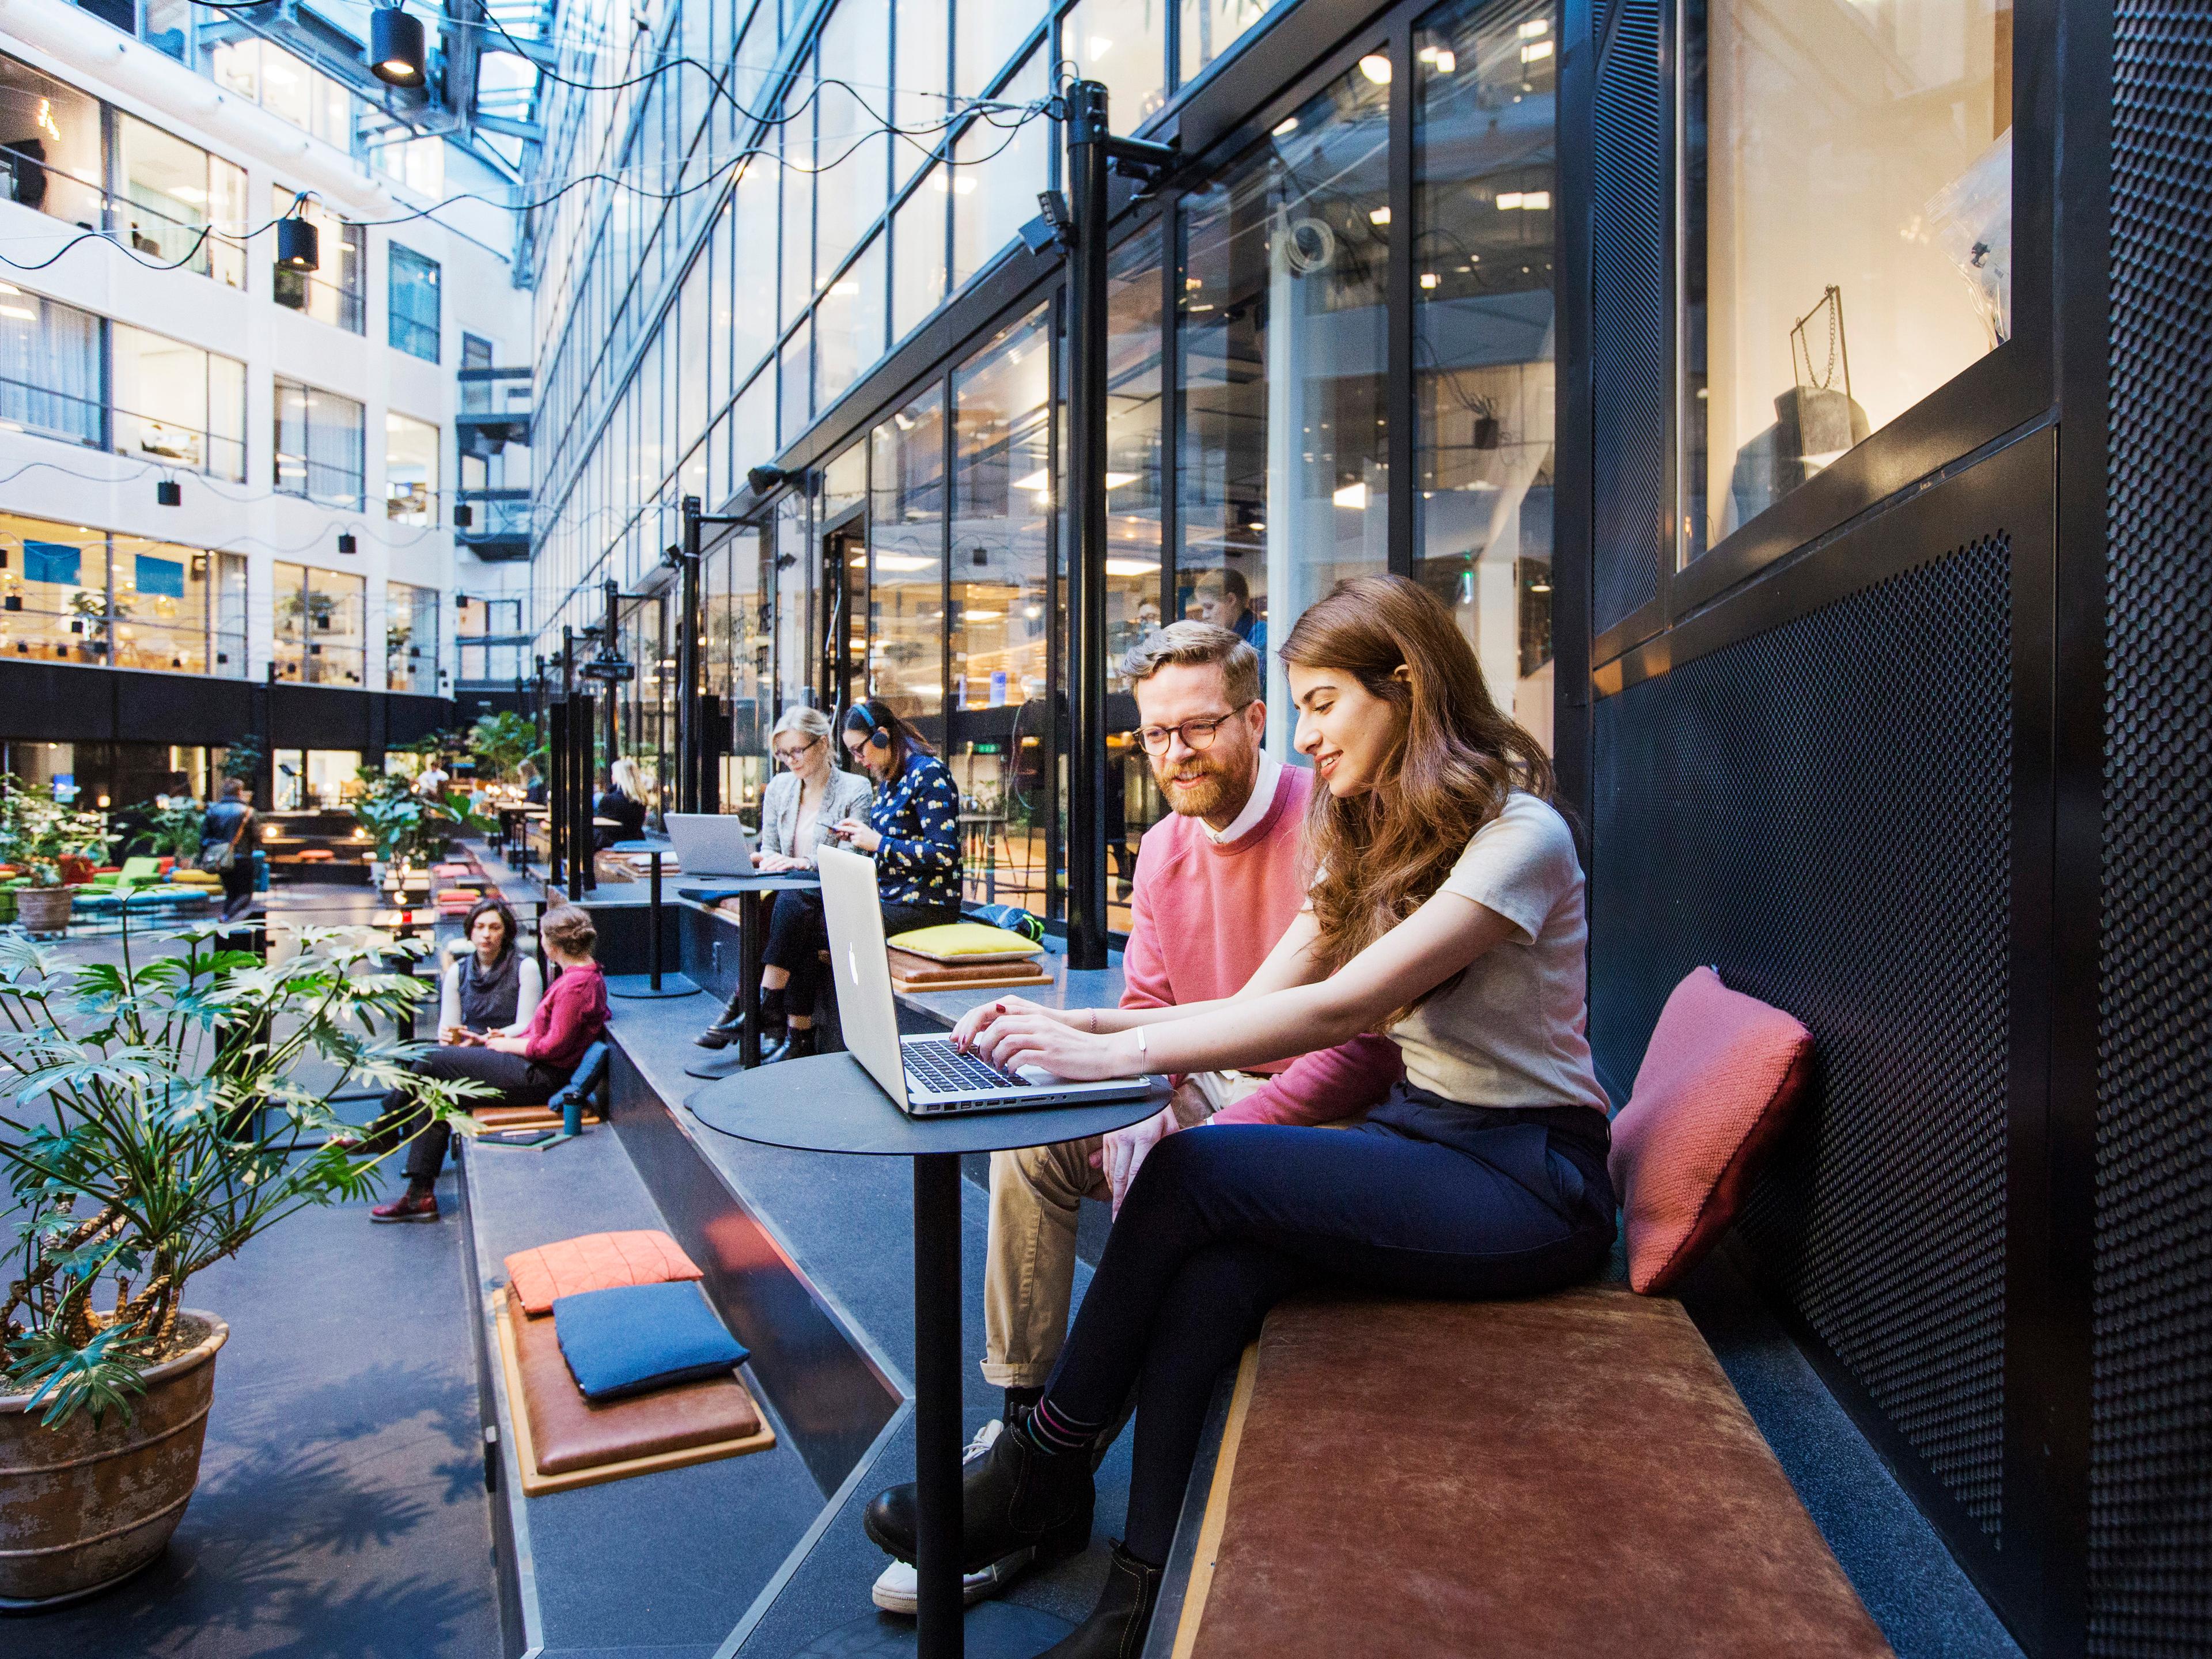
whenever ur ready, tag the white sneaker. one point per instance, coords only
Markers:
(897, 1588)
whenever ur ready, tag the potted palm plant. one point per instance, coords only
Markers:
(151, 1124)
(37, 833)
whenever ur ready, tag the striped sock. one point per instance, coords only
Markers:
(1055, 1431)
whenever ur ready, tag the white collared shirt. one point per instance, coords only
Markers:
(1263, 798)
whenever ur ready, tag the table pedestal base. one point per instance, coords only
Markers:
(713, 1067)
(640, 985)
(992, 1629)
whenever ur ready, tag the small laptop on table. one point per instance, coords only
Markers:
(711, 843)
(926, 1076)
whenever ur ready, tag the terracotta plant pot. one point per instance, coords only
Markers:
(83, 1506)
(43, 910)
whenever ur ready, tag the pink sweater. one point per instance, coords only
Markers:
(1203, 919)
(570, 1018)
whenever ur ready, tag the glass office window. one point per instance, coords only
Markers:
(1848, 247)
(50, 368)
(752, 668)
(1003, 742)
(848, 325)
(998, 173)
(1134, 346)
(226, 614)
(418, 163)
(176, 404)
(334, 292)
(1282, 482)
(410, 638)
(314, 780)
(412, 304)
(171, 192)
(1485, 168)
(264, 73)
(798, 381)
(410, 470)
(919, 103)
(1124, 44)
(918, 254)
(693, 347)
(163, 607)
(50, 143)
(53, 591)
(1210, 27)
(318, 617)
(797, 281)
(319, 445)
(752, 438)
(906, 557)
(856, 56)
(988, 33)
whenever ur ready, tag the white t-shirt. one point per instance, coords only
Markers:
(1514, 1030)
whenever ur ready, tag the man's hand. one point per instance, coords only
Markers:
(1126, 1149)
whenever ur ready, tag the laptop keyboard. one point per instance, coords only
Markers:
(940, 1068)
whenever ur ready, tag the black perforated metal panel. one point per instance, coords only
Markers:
(2150, 1554)
(1824, 813)
(1629, 366)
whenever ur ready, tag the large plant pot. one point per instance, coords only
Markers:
(83, 1506)
(43, 910)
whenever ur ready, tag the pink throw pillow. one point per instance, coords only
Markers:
(1710, 1100)
(597, 1261)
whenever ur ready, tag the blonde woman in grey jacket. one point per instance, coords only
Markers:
(798, 808)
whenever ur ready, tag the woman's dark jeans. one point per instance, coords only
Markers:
(1224, 1221)
(797, 935)
(520, 1082)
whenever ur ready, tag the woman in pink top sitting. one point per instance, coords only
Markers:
(526, 1070)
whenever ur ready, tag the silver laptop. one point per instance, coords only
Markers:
(711, 843)
(925, 1075)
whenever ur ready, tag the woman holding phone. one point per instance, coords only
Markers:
(1446, 914)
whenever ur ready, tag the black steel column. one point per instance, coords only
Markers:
(937, 1403)
(556, 792)
(690, 749)
(1087, 159)
(610, 646)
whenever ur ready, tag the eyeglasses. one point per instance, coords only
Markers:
(790, 756)
(1196, 734)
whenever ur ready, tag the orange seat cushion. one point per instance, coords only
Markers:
(1716, 1085)
(597, 1261)
(315, 855)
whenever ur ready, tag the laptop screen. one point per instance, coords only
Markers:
(867, 1011)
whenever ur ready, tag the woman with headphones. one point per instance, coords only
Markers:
(912, 830)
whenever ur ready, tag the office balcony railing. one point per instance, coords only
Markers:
(496, 409)
(499, 524)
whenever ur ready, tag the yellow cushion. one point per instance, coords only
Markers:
(966, 941)
(195, 878)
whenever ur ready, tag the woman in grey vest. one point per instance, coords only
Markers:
(495, 986)
(797, 811)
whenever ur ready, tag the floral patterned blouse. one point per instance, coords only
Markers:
(918, 815)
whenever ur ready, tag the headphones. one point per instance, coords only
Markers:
(860, 715)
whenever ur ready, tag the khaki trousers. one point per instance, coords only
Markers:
(1036, 1192)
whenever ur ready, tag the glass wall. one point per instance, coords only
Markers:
(169, 191)
(50, 368)
(318, 617)
(264, 73)
(176, 404)
(410, 638)
(319, 445)
(1283, 486)
(1136, 346)
(336, 291)
(50, 141)
(411, 300)
(906, 558)
(1848, 241)
(410, 470)
(1486, 168)
(72, 593)
(1004, 738)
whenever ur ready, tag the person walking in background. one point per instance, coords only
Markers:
(798, 810)
(525, 1070)
(228, 834)
(533, 787)
(1224, 598)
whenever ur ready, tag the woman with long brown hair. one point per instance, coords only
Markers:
(1446, 912)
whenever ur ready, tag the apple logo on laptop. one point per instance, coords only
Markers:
(852, 961)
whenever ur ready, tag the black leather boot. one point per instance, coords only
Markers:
(1013, 1497)
(723, 1032)
(1116, 1626)
(798, 1042)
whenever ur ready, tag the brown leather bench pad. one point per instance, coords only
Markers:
(1571, 1475)
(568, 1435)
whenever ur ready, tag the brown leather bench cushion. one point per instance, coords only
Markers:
(1573, 1475)
(567, 1434)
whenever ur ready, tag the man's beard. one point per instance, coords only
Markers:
(1208, 795)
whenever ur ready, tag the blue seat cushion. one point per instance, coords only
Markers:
(634, 1338)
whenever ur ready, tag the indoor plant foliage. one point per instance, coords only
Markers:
(154, 1125)
(37, 832)
(407, 828)
(502, 742)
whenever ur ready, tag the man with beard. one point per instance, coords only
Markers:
(1217, 884)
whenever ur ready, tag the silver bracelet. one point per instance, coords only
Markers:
(1144, 1058)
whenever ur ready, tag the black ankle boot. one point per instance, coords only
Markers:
(797, 1044)
(1013, 1497)
(723, 1032)
(1116, 1626)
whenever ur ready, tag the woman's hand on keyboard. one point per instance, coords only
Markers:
(1041, 1036)
(968, 1033)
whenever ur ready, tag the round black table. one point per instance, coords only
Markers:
(653, 982)
(753, 894)
(829, 1103)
